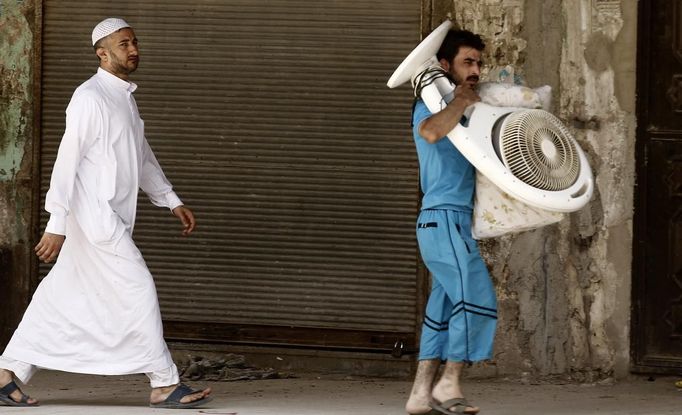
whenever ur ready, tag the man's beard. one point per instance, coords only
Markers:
(458, 80)
(119, 66)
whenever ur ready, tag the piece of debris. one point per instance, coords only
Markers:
(228, 368)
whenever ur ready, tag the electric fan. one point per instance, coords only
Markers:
(527, 153)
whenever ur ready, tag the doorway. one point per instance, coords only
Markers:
(657, 268)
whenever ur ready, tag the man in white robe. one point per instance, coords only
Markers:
(97, 310)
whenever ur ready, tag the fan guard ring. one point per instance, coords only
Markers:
(537, 149)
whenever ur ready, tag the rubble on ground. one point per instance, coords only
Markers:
(228, 368)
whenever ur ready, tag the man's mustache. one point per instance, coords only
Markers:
(473, 78)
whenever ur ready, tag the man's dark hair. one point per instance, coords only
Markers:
(99, 44)
(456, 38)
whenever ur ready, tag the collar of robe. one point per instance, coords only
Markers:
(115, 81)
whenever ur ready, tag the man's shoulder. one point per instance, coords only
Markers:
(87, 93)
(420, 108)
(420, 112)
(87, 88)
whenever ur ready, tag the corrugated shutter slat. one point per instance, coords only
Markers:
(273, 122)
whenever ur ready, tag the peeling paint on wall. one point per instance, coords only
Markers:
(597, 39)
(17, 27)
(6, 216)
(500, 21)
(16, 48)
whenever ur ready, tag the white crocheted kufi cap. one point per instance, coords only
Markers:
(107, 27)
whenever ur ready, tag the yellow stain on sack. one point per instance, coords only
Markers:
(489, 217)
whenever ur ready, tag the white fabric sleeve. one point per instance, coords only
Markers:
(83, 126)
(154, 183)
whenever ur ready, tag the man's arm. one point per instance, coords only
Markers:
(83, 125)
(155, 184)
(441, 123)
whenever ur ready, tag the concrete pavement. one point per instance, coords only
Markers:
(71, 394)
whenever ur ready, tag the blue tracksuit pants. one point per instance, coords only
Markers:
(461, 314)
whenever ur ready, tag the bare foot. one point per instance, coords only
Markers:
(5, 379)
(448, 387)
(160, 394)
(418, 404)
(420, 395)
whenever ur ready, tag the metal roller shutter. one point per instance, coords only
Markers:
(273, 122)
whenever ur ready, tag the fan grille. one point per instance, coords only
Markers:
(537, 149)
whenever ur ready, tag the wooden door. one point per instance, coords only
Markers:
(657, 272)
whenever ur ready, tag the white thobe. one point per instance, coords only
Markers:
(97, 310)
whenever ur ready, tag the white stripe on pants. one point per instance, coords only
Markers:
(25, 371)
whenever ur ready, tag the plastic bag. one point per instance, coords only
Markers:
(495, 212)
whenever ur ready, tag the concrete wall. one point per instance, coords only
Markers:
(17, 116)
(564, 291)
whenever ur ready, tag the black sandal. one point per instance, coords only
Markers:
(173, 400)
(6, 400)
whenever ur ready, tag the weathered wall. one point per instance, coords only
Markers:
(564, 291)
(17, 30)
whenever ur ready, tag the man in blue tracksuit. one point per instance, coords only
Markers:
(461, 314)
